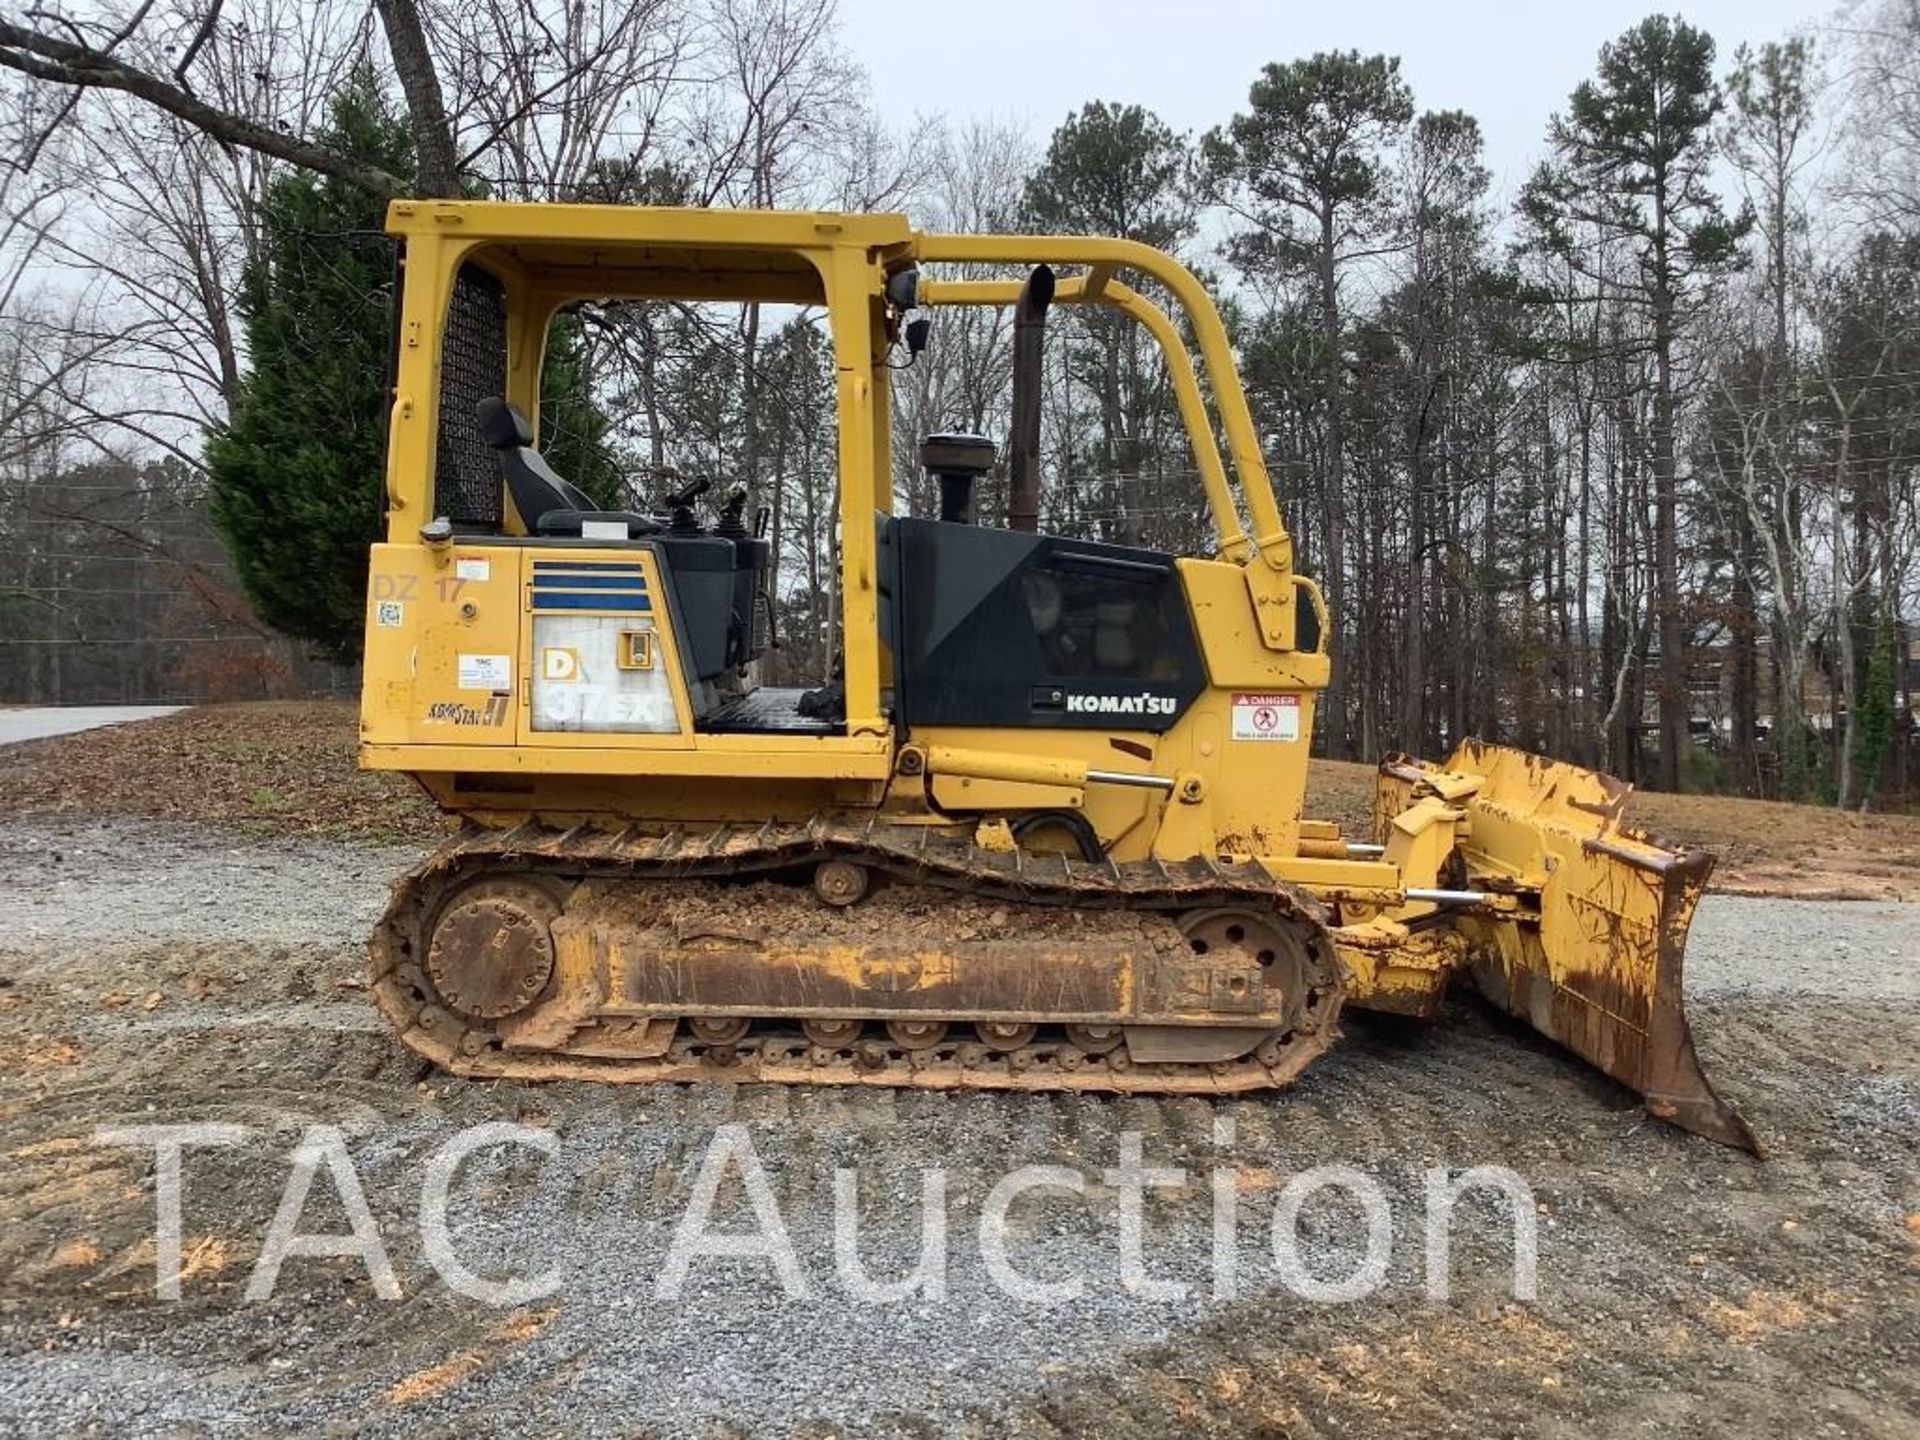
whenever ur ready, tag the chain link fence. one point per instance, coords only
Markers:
(114, 589)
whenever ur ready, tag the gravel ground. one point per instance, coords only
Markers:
(1852, 949)
(82, 879)
(161, 973)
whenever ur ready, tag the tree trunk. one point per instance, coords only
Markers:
(1744, 643)
(1333, 402)
(750, 404)
(1413, 724)
(1675, 709)
(434, 162)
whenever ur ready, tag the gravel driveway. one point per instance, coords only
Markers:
(171, 974)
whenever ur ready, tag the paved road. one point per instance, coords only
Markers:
(39, 721)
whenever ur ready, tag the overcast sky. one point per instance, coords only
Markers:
(1510, 65)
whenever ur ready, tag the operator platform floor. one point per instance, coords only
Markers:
(769, 710)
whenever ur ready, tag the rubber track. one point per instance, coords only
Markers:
(919, 854)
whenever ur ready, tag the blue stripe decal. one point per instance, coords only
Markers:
(622, 566)
(592, 582)
(557, 600)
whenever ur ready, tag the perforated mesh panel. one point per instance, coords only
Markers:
(473, 366)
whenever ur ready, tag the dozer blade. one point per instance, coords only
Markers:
(1591, 953)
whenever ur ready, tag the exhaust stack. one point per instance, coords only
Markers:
(1023, 445)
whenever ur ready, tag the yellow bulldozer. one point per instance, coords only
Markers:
(1041, 830)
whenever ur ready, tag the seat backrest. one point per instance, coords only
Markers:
(530, 480)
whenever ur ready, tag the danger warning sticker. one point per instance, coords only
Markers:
(1266, 717)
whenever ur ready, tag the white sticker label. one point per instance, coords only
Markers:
(389, 614)
(467, 567)
(1266, 717)
(486, 672)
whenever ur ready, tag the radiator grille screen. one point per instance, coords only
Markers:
(473, 366)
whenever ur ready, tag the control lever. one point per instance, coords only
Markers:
(679, 507)
(733, 522)
(693, 490)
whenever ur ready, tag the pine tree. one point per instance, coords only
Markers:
(1305, 165)
(296, 470)
(1118, 170)
(1633, 154)
(574, 431)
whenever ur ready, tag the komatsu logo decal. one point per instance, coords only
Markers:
(1121, 704)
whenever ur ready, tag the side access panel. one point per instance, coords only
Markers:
(522, 646)
(442, 646)
(602, 666)
(1035, 632)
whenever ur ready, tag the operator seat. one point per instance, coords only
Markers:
(547, 504)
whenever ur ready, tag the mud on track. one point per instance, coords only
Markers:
(167, 973)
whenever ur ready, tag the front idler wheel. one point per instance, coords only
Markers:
(491, 953)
